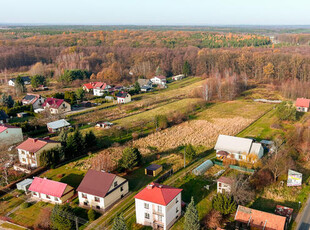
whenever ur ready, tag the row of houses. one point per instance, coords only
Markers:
(156, 205)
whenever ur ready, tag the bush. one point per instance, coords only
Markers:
(91, 215)
(25, 205)
(286, 111)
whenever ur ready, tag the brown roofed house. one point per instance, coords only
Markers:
(224, 184)
(100, 189)
(247, 218)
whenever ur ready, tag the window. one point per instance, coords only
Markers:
(115, 183)
(122, 189)
(97, 207)
(84, 195)
(160, 218)
(86, 203)
(177, 210)
(56, 199)
(146, 206)
(176, 200)
(34, 193)
(48, 197)
(97, 199)
(220, 184)
(160, 209)
(146, 215)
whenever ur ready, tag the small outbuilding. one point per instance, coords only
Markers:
(86, 104)
(24, 185)
(22, 114)
(153, 170)
(56, 126)
(104, 125)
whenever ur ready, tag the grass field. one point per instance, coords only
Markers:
(11, 226)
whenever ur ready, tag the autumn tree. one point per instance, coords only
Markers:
(269, 71)
(241, 190)
(213, 219)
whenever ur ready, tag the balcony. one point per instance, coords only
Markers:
(158, 212)
(158, 224)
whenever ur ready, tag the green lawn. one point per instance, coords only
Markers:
(10, 201)
(11, 226)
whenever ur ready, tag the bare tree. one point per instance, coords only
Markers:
(241, 190)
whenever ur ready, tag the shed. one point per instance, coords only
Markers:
(24, 185)
(57, 125)
(201, 169)
(105, 125)
(153, 170)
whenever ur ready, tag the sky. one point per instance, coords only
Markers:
(156, 12)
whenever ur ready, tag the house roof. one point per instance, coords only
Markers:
(303, 102)
(161, 77)
(3, 115)
(25, 182)
(259, 219)
(159, 194)
(34, 144)
(31, 98)
(225, 180)
(24, 78)
(53, 102)
(58, 124)
(143, 82)
(153, 167)
(96, 183)
(4, 127)
(284, 211)
(48, 187)
(236, 144)
(121, 94)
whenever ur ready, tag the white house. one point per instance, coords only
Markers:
(34, 99)
(224, 184)
(159, 80)
(100, 88)
(100, 189)
(56, 106)
(178, 77)
(123, 97)
(56, 126)
(50, 191)
(238, 148)
(158, 206)
(10, 135)
(25, 79)
(29, 151)
(302, 104)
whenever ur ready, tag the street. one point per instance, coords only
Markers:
(304, 222)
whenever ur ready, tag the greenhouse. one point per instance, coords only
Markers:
(201, 169)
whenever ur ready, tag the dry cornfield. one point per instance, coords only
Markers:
(196, 132)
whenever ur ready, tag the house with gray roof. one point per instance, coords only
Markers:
(56, 126)
(237, 148)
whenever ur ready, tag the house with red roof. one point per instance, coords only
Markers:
(123, 97)
(247, 218)
(302, 104)
(56, 106)
(10, 135)
(50, 191)
(35, 100)
(29, 151)
(158, 206)
(100, 190)
(98, 88)
(224, 184)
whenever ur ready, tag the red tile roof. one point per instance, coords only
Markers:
(225, 180)
(303, 102)
(259, 219)
(89, 85)
(53, 102)
(4, 127)
(159, 194)
(34, 144)
(96, 183)
(48, 187)
(93, 85)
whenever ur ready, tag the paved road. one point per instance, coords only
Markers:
(304, 221)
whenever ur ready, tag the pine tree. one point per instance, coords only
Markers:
(60, 217)
(224, 204)
(90, 140)
(191, 221)
(137, 87)
(131, 158)
(186, 68)
(119, 223)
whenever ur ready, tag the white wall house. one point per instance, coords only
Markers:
(34, 99)
(224, 185)
(10, 135)
(56, 106)
(178, 77)
(29, 151)
(238, 148)
(159, 80)
(302, 104)
(158, 206)
(100, 190)
(123, 97)
(26, 80)
(50, 191)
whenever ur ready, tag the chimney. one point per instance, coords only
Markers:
(160, 186)
(102, 170)
(35, 139)
(150, 186)
(46, 138)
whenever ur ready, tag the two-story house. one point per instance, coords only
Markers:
(123, 97)
(56, 106)
(224, 185)
(238, 148)
(35, 100)
(100, 189)
(159, 80)
(50, 191)
(158, 206)
(10, 135)
(29, 151)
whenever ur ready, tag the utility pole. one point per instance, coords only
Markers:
(76, 223)
(184, 158)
